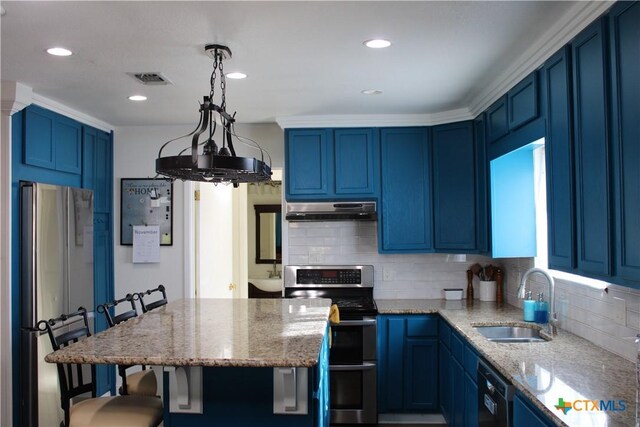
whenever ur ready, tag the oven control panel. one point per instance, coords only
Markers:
(329, 277)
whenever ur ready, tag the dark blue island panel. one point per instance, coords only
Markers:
(243, 397)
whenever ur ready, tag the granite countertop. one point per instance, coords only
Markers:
(211, 332)
(567, 367)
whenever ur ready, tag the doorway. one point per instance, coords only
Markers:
(220, 240)
(223, 238)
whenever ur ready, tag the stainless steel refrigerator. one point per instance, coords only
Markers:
(56, 278)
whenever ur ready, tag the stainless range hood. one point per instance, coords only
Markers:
(332, 211)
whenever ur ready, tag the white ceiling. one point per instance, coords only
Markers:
(302, 58)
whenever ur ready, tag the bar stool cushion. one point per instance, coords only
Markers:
(117, 411)
(142, 383)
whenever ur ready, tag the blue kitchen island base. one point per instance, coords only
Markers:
(243, 397)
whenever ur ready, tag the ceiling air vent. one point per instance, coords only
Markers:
(150, 78)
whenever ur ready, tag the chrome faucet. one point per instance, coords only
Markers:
(275, 273)
(553, 318)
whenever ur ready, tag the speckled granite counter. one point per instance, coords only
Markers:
(566, 367)
(211, 332)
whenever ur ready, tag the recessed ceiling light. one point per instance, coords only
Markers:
(137, 98)
(372, 92)
(59, 51)
(236, 75)
(377, 43)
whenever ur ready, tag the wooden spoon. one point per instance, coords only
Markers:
(488, 270)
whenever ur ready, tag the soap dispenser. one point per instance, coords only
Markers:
(541, 313)
(529, 306)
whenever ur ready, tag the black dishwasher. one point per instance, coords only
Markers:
(495, 398)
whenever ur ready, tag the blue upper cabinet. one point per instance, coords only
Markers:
(483, 223)
(356, 161)
(507, 117)
(405, 220)
(327, 164)
(522, 100)
(556, 85)
(454, 190)
(59, 141)
(39, 148)
(590, 100)
(307, 152)
(103, 173)
(624, 30)
(97, 170)
(497, 120)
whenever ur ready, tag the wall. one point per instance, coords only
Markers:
(610, 319)
(395, 276)
(135, 151)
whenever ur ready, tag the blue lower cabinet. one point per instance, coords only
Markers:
(457, 393)
(526, 415)
(407, 363)
(421, 380)
(458, 388)
(445, 383)
(470, 401)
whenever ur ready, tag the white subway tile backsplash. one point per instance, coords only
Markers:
(585, 311)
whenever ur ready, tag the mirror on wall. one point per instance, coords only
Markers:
(268, 234)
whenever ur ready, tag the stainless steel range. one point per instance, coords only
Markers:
(353, 356)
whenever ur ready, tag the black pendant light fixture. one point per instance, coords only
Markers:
(217, 162)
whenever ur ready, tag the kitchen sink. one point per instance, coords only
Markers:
(511, 334)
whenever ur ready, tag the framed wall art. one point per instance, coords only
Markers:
(146, 201)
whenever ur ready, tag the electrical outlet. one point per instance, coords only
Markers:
(315, 258)
(619, 311)
(387, 273)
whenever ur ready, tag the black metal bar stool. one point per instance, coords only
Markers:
(140, 383)
(78, 379)
(150, 305)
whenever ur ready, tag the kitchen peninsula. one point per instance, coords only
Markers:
(235, 347)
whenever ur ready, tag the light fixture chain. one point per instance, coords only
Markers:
(213, 76)
(223, 86)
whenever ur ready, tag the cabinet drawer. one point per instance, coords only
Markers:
(444, 333)
(457, 346)
(422, 326)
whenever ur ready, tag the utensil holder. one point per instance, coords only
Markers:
(487, 290)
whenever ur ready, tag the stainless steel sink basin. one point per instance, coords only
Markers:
(510, 334)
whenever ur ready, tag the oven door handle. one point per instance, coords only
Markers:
(364, 322)
(364, 367)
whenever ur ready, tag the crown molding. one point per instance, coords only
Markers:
(575, 20)
(71, 113)
(570, 24)
(15, 97)
(373, 120)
